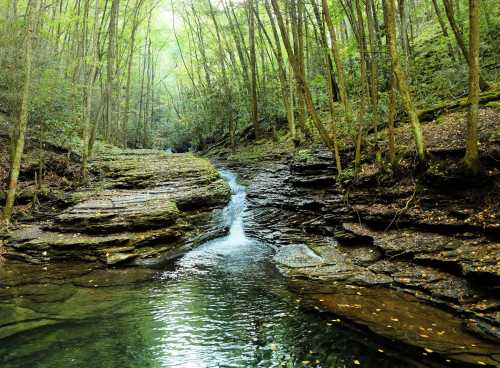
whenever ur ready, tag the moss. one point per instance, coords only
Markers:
(303, 155)
(262, 150)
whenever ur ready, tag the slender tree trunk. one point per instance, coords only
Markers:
(126, 114)
(443, 28)
(225, 80)
(301, 81)
(391, 118)
(295, 9)
(284, 83)
(365, 89)
(15, 164)
(253, 69)
(89, 93)
(111, 63)
(471, 153)
(401, 79)
(341, 79)
(329, 83)
(460, 39)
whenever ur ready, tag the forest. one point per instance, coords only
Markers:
(249, 183)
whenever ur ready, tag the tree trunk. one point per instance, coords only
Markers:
(300, 78)
(285, 84)
(126, 114)
(471, 153)
(460, 40)
(401, 79)
(253, 69)
(443, 28)
(111, 84)
(89, 93)
(15, 164)
(391, 118)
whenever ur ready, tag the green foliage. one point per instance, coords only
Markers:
(346, 176)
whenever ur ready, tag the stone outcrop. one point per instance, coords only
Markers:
(409, 246)
(147, 207)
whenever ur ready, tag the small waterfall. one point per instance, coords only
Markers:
(233, 213)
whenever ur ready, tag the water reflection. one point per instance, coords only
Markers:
(224, 306)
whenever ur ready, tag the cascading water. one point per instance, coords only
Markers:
(224, 306)
(233, 213)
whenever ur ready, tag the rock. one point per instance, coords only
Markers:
(384, 232)
(400, 317)
(146, 204)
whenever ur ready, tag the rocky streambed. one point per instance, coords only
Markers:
(148, 207)
(409, 259)
(404, 259)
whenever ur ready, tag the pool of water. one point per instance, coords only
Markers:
(223, 305)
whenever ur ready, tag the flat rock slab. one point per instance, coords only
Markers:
(148, 203)
(472, 255)
(402, 317)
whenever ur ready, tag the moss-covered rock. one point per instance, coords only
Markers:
(142, 208)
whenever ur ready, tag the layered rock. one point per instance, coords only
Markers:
(411, 245)
(148, 207)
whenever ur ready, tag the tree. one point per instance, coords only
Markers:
(253, 68)
(22, 123)
(300, 79)
(460, 39)
(471, 153)
(89, 94)
(401, 79)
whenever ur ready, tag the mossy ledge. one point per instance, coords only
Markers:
(147, 207)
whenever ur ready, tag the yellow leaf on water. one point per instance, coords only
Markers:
(357, 362)
(380, 350)
(428, 350)
(481, 363)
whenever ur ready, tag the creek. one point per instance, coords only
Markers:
(223, 304)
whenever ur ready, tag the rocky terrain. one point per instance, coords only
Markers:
(385, 249)
(147, 207)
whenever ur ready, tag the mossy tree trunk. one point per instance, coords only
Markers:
(89, 93)
(460, 39)
(471, 153)
(22, 123)
(253, 69)
(443, 28)
(359, 27)
(391, 118)
(300, 79)
(402, 83)
(329, 82)
(284, 82)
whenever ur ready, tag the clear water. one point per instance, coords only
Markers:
(224, 305)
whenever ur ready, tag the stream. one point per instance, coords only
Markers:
(223, 305)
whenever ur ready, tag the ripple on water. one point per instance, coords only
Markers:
(223, 306)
